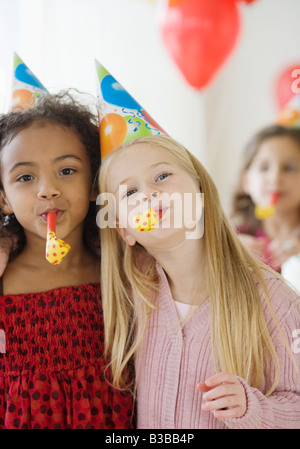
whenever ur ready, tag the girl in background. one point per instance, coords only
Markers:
(208, 326)
(53, 373)
(271, 166)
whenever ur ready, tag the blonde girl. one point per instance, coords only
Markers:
(209, 328)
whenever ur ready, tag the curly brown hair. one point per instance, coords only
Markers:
(64, 110)
(242, 213)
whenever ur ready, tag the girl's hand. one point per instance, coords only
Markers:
(225, 395)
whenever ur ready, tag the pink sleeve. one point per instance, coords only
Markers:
(280, 410)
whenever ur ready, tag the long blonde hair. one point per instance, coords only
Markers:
(239, 336)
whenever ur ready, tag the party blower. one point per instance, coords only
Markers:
(264, 212)
(146, 221)
(56, 249)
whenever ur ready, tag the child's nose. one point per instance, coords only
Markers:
(48, 190)
(149, 195)
(276, 175)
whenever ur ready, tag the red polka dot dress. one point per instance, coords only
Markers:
(52, 371)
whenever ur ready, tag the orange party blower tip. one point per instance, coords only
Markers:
(56, 249)
(274, 197)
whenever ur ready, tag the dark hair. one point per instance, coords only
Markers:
(64, 110)
(242, 205)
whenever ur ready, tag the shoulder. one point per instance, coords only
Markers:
(285, 301)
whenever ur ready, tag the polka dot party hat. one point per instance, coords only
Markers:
(25, 86)
(121, 118)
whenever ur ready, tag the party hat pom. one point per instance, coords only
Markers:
(56, 249)
(26, 87)
(121, 118)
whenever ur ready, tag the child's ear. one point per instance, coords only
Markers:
(128, 238)
(4, 204)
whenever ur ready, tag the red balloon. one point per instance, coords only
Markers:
(200, 35)
(286, 85)
(246, 1)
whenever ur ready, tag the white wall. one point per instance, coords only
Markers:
(242, 99)
(59, 40)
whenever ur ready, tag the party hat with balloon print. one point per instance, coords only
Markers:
(121, 118)
(26, 88)
(290, 115)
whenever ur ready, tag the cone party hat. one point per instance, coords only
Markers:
(290, 115)
(26, 87)
(25, 90)
(121, 118)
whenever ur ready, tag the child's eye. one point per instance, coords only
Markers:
(67, 171)
(290, 168)
(263, 168)
(130, 192)
(162, 176)
(25, 178)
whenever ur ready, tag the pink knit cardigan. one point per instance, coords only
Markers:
(171, 362)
